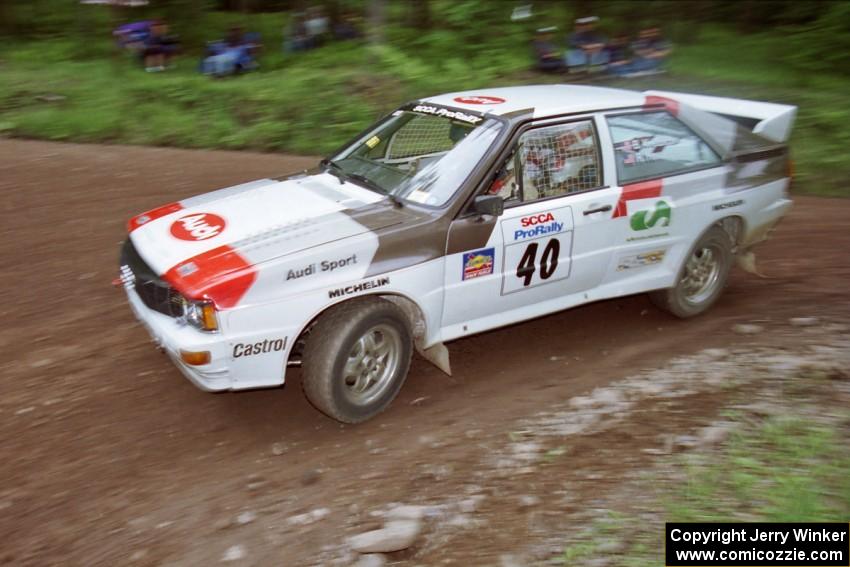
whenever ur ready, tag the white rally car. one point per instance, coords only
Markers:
(454, 215)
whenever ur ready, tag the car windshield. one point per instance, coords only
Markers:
(421, 155)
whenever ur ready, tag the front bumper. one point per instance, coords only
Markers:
(170, 337)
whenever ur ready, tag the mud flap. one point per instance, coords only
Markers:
(746, 260)
(438, 355)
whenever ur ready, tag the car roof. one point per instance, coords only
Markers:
(543, 100)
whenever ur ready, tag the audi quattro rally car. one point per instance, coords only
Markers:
(451, 216)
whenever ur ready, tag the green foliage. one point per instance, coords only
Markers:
(311, 102)
(787, 470)
(824, 45)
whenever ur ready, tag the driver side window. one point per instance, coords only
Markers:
(550, 161)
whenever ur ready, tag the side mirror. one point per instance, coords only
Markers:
(492, 205)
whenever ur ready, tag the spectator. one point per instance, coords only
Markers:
(346, 28)
(317, 25)
(650, 51)
(132, 36)
(619, 60)
(235, 37)
(547, 55)
(295, 36)
(158, 47)
(585, 46)
(235, 54)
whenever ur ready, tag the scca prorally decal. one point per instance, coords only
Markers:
(445, 112)
(640, 260)
(478, 263)
(323, 266)
(348, 290)
(198, 226)
(659, 216)
(537, 225)
(479, 99)
(728, 205)
(261, 347)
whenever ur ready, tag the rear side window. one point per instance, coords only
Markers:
(656, 144)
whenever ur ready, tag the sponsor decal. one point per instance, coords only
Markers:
(200, 226)
(362, 286)
(658, 216)
(152, 215)
(479, 99)
(302, 273)
(640, 260)
(533, 226)
(538, 249)
(323, 266)
(728, 205)
(187, 269)
(672, 106)
(261, 347)
(635, 191)
(536, 219)
(445, 112)
(373, 141)
(642, 149)
(647, 236)
(478, 263)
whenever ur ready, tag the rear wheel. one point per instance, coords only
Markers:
(357, 359)
(702, 277)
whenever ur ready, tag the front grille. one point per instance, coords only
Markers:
(155, 293)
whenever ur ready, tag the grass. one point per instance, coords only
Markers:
(313, 102)
(787, 470)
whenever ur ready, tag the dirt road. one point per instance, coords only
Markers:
(110, 457)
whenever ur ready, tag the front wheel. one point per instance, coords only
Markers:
(357, 359)
(702, 277)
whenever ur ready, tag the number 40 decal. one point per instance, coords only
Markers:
(548, 261)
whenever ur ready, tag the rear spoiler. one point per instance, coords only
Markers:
(768, 119)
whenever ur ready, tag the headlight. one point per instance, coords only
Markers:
(200, 314)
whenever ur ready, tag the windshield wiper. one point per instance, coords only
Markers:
(334, 168)
(377, 188)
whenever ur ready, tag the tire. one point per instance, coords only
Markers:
(701, 278)
(356, 359)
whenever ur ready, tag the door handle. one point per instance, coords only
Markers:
(602, 209)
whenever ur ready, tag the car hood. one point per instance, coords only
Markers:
(203, 242)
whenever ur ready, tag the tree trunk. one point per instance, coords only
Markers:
(377, 16)
(419, 14)
(7, 24)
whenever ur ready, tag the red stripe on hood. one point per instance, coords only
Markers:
(220, 274)
(671, 105)
(642, 190)
(153, 214)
